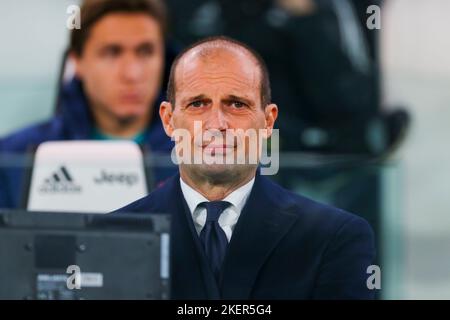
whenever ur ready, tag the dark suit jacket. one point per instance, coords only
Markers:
(284, 246)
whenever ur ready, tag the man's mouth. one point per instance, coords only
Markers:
(131, 98)
(214, 149)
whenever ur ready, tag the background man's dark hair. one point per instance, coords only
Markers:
(264, 83)
(94, 10)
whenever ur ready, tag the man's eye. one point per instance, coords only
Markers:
(196, 104)
(146, 51)
(112, 52)
(238, 104)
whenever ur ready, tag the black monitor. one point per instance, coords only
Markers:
(62, 256)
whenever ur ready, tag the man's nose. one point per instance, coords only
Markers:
(131, 69)
(216, 119)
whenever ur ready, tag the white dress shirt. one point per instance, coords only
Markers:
(229, 216)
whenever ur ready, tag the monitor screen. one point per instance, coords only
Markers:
(61, 256)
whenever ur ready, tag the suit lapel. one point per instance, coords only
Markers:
(260, 227)
(191, 276)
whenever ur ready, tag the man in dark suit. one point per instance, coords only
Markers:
(236, 234)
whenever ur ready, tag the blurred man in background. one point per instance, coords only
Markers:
(119, 56)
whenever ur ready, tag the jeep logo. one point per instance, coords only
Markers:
(129, 179)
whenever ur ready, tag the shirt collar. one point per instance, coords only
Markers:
(237, 198)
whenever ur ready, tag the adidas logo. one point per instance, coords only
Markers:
(60, 181)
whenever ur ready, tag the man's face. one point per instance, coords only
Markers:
(121, 64)
(222, 91)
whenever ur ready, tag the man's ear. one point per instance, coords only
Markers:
(165, 112)
(271, 114)
(76, 60)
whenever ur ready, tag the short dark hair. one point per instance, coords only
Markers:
(264, 73)
(94, 10)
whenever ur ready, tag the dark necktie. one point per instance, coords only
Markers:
(213, 237)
